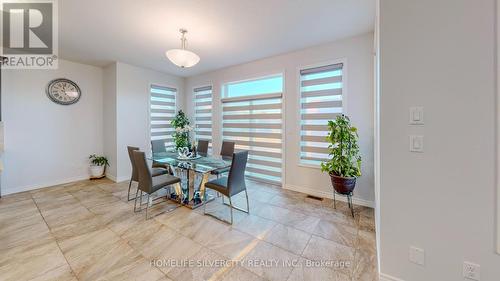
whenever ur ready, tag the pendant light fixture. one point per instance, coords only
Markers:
(182, 57)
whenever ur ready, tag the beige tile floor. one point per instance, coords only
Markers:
(88, 231)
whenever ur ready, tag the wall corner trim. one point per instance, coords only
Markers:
(115, 179)
(111, 177)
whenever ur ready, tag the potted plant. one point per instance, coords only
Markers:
(182, 130)
(97, 166)
(345, 165)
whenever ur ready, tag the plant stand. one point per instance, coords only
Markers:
(349, 201)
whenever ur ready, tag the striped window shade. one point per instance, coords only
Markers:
(203, 114)
(161, 113)
(254, 123)
(320, 101)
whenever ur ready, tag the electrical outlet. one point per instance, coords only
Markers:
(472, 271)
(416, 143)
(417, 256)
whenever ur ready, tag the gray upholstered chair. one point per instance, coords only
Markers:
(150, 184)
(233, 184)
(227, 150)
(135, 174)
(202, 147)
(158, 146)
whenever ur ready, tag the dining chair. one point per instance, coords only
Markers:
(149, 184)
(135, 174)
(231, 185)
(202, 146)
(227, 150)
(158, 146)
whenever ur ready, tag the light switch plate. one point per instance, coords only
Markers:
(416, 143)
(416, 115)
(417, 256)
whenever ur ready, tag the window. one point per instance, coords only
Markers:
(252, 118)
(254, 87)
(203, 114)
(162, 111)
(321, 100)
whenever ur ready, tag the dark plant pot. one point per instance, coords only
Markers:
(343, 185)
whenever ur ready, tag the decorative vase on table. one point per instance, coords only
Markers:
(345, 163)
(182, 130)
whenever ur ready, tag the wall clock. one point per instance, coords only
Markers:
(63, 91)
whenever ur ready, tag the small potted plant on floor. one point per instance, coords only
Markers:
(345, 165)
(98, 166)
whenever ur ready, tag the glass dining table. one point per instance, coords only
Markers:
(192, 195)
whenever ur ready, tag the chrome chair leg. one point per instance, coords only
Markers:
(147, 207)
(238, 208)
(150, 203)
(205, 205)
(231, 205)
(248, 205)
(135, 201)
(140, 201)
(128, 194)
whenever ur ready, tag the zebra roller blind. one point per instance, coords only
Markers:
(162, 111)
(203, 114)
(254, 123)
(320, 101)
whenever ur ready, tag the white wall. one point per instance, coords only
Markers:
(358, 52)
(439, 55)
(109, 119)
(47, 143)
(132, 109)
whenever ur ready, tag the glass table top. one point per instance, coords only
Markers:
(203, 164)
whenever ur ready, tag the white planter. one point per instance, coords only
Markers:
(96, 171)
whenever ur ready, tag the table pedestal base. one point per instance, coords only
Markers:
(192, 196)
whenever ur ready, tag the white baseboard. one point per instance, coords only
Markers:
(111, 177)
(42, 185)
(325, 194)
(115, 179)
(387, 277)
(122, 179)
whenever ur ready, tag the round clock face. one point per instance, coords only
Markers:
(63, 91)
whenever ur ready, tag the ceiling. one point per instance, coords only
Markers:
(221, 32)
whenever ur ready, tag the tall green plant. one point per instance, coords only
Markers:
(343, 148)
(182, 129)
